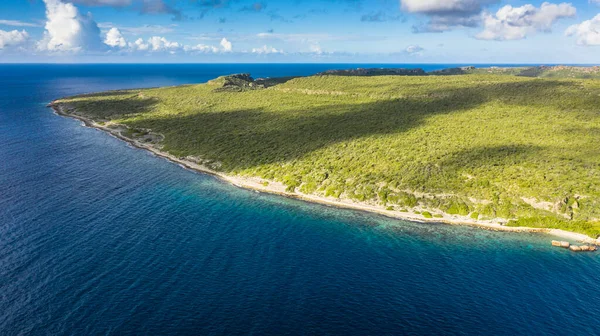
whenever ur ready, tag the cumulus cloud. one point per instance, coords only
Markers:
(266, 50)
(154, 44)
(201, 48)
(12, 38)
(226, 45)
(587, 32)
(115, 39)
(158, 43)
(67, 30)
(139, 44)
(446, 14)
(515, 23)
(414, 50)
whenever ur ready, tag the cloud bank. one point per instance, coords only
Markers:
(515, 23)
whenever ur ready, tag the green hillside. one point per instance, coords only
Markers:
(484, 145)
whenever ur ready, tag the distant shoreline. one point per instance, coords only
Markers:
(275, 188)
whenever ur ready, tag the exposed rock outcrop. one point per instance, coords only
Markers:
(234, 83)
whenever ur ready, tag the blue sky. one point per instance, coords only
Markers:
(378, 31)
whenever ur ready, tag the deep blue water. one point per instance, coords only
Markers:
(97, 237)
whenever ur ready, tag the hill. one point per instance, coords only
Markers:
(483, 145)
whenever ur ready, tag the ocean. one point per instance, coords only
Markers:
(100, 238)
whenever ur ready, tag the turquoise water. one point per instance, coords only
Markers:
(97, 237)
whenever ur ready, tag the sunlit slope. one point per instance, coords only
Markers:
(483, 145)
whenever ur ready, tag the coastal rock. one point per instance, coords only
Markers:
(234, 83)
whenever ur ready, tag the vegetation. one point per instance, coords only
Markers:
(484, 144)
(541, 71)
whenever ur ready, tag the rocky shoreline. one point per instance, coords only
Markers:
(273, 187)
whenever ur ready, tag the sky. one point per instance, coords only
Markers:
(306, 31)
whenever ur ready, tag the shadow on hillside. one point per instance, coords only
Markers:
(491, 156)
(273, 81)
(242, 139)
(136, 103)
(113, 94)
(249, 138)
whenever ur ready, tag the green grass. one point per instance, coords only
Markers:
(476, 143)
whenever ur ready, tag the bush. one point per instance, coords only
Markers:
(456, 207)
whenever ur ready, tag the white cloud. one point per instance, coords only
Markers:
(202, 48)
(158, 43)
(15, 23)
(226, 45)
(515, 23)
(155, 44)
(587, 32)
(68, 30)
(414, 50)
(12, 38)
(266, 50)
(115, 39)
(140, 45)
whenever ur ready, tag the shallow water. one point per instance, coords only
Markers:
(97, 237)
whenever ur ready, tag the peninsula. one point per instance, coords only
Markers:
(502, 148)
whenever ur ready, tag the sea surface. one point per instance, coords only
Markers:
(99, 238)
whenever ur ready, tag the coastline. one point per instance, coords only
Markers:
(275, 188)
